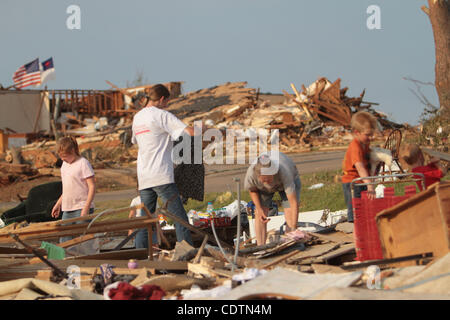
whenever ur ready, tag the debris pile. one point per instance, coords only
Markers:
(297, 265)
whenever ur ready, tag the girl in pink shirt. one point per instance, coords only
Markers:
(78, 183)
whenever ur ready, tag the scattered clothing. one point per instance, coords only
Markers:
(107, 273)
(125, 291)
(296, 235)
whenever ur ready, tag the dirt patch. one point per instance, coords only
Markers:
(106, 180)
(9, 193)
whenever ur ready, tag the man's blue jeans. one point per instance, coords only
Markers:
(166, 192)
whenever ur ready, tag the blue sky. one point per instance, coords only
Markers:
(268, 43)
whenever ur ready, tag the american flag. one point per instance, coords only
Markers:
(27, 75)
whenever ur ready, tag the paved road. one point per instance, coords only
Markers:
(219, 178)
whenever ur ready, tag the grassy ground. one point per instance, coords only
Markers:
(330, 196)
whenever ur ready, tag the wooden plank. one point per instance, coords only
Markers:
(299, 100)
(340, 111)
(364, 264)
(77, 229)
(76, 241)
(6, 250)
(200, 250)
(64, 264)
(116, 255)
(332, 91)
(341, 121)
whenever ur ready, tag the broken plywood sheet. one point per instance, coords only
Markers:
(324, 268)
(346, 227)
(400, 275)
(313, 251)
(172, 282)
(344, 249)
(286, 282)
(366, 294)
(435, 278)
(7, 288)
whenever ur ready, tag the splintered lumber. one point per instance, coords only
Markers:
(55, 229)
(37, 254)
(200, 250)
(299, 100)
(52, 230)
(240, 262)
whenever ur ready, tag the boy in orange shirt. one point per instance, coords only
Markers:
(356, 160)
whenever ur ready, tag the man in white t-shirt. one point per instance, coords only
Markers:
(154, 131)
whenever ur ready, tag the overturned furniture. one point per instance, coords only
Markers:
(417, 225)
(38, 205)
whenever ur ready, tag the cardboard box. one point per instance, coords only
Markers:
(418, 225)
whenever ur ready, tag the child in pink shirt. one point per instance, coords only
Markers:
(78, 183)
(433, 171)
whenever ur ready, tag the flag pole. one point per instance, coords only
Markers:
(40, 108)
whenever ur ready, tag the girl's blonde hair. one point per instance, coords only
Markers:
(363, 120)
(67, 145)
(410, 153)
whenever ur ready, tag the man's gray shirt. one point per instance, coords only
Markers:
(284, 179)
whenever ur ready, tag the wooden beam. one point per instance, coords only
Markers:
(138, 254)
(76, 241)
(298, 97)
(50, 230)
